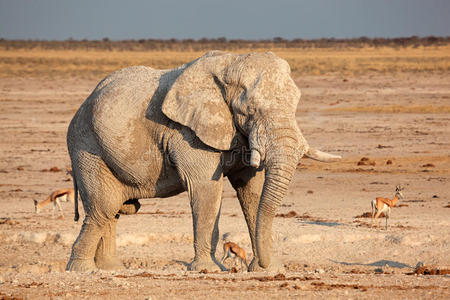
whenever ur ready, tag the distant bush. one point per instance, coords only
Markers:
(222, 43)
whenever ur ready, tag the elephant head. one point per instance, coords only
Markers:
(220, 94)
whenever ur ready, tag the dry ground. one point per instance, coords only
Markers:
(326, 250)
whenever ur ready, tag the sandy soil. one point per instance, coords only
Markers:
(325, 248)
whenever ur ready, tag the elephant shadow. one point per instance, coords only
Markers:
(180, 262)
(379, 263)
(328, 224)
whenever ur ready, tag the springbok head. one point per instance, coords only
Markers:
(398, 191)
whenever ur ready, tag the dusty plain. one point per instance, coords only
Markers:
(398, 114)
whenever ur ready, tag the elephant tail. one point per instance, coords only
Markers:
(75, 189)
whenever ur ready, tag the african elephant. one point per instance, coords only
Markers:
(146, 133)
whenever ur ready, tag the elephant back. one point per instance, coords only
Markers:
(119, 105)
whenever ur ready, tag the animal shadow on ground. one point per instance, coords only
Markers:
(186, 264)
(380, 263)
(307, 219)
(328, 224)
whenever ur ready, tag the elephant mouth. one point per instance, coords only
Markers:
(312, 153)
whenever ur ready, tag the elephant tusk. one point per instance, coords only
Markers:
(255, 158)
(321, 156)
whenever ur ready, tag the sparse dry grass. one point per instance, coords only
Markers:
(84, 63)
(361, 61)
(420, 109)
(306, 61)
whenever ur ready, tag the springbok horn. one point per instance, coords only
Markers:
(321, 156)
(255, 158)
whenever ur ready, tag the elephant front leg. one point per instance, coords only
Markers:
(105, 255)
(205, 204)
(248, 184)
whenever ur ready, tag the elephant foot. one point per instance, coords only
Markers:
(275, 266)
(81, 265)
(208, 265)
(108, 263)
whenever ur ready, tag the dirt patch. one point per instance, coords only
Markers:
(362, 224)
(368, 215)
(424, 270)
(281, 277)
(323, 285)
(304, 217)
(52, 169)
(357, 271)
(415, 201)
(401, 226)
(8, 221)
(429, 165)
(169, 214)
(383, 146)
(4, 296)
(290, 214)
(155, 245)
(307, 217)
(365, 161)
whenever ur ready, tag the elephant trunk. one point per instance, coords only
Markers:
(280, 164)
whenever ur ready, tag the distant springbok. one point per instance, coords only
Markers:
(384, 205)
(56, 197)
(230, 248)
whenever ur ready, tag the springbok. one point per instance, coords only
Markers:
(384, 205)
(56, 197)
(230, 248)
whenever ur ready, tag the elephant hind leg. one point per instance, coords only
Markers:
(105, 255)
(102, 195)
(84, 248)
(95, 247)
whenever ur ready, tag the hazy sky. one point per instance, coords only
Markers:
(246, 19)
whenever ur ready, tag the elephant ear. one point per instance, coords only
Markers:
(196, 100)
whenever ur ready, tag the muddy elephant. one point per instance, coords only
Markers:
(146, 133)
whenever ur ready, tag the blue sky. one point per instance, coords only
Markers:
(243, 19)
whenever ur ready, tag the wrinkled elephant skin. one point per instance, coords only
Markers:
(146, 133)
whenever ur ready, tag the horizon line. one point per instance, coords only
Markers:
(224, 39)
